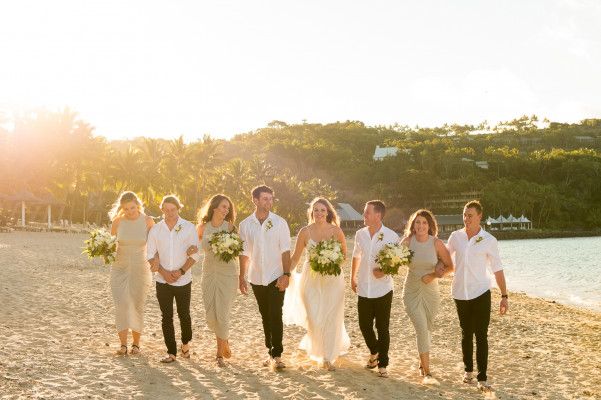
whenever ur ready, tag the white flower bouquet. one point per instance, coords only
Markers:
(326, 257)
(101, 244)
(226, 245)
(392, 257)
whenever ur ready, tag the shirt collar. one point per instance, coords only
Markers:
(254, 217)
(179, 222)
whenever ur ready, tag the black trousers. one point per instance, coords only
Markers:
(474, 317)
(271, 300)
(165, 295)
(378, 309)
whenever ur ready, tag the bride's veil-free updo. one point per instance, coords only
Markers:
(126, 197)
(332, 217)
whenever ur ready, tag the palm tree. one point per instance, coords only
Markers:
(152, 155)
(204, 158)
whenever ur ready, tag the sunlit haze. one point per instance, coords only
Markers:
(163, 69)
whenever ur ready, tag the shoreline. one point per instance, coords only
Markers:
(67, 321)
(532, 234)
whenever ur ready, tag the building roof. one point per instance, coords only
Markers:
(347, 213)
(449, 219)
(382, 152)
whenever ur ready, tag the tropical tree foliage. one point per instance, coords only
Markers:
(550, 172)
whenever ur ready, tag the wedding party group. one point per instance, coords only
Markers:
(312, 296)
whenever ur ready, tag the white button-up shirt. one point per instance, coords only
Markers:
(366, 249)
(264, 245)
(172, 246)
(472, 260)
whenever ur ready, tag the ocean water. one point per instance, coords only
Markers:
(567, 270)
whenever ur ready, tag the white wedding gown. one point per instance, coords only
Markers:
(316, 302)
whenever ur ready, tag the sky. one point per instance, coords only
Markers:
(164, 69)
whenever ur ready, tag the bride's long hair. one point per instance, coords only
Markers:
(332, 217)
(126, 197)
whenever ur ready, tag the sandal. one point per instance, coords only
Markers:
(278, 364)
(220, 362)
(383, 374)
(470, 380)
(328, 365)
(485, 387)
(185, 354)
(429, 380)
(120, 352)
(420, 368)
(169, 359)
(134, 351)
(372, 362)
(267, 362)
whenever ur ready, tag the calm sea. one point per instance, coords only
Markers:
(567, 270)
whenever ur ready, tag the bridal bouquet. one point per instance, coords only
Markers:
(226, 245)
(326, 257)
(101, 244)
(392, 257)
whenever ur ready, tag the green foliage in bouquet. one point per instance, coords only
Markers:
(326, 257)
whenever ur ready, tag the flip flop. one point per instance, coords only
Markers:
(169, 359)
(371, 361)
(485, 387)
(382, 374)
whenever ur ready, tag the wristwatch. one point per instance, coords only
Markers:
(504, 296)
(287, 274)
(182, 271)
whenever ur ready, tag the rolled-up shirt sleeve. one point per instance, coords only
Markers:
(284, 237)
(356, 247)
(193, 241)
(151, 246)
(494, 259)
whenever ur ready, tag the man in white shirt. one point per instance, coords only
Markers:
(266, 253)
(372, 285)
(171, 238)
(475, 251)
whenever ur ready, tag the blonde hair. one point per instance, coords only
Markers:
(126, 197)
(172, 199)
(332, 217)
(427, 214)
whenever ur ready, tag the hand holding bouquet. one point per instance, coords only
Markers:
(101, 244)
(392, 257)
(226, 245)
(326, 257)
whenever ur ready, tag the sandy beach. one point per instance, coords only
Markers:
(58, 339)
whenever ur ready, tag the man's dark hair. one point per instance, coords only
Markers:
(261, 189)
(379, 207)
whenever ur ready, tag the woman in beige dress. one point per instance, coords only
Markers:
(421, 295)
(219, 279)
(130, 275)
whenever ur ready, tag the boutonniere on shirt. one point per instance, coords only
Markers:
(480, 238)
(380, 237)
(178, 228)
(269, 225)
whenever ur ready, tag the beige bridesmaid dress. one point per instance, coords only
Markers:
(422, 300)
(130, 275)
(219, 285)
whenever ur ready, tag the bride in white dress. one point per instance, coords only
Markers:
(315, 301)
